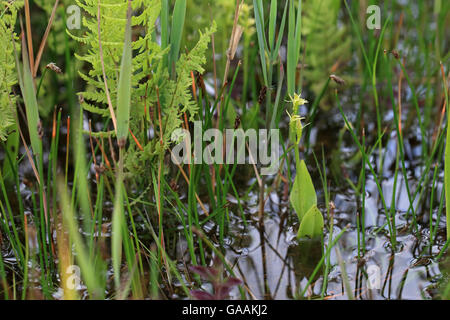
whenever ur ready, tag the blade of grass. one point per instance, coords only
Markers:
(87, 268)
(447, 156)
(31, 107)
(123, 108)
(259, 21)
(124, 86)
(272, 22)
(179, 13)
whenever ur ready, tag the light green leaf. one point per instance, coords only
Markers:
(179, 13)
(312, 224)
(272, 22)
(303, 195)
(124, 87)
(29, 96)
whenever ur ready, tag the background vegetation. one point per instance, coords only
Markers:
(87, 114)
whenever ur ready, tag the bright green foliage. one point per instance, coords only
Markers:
(179, 13)
(8, 74)
(327, 45)
(112, 26)
(303, 195)
(57, 47)
(447, 180)
(200, 13)
(312, 223)
(124, 87)
(447, 168)
(294, 42)
(148, 72)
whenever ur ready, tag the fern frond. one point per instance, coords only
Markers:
(327, 45)
(8, 75)
(148, 72)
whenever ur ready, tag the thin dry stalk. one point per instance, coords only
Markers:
(399, 98)
(29, 36)
(44, 40)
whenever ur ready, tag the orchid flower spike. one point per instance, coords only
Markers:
(297, 101)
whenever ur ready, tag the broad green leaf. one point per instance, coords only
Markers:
(303, 195)
(311, 225)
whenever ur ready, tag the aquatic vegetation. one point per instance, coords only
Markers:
(8, 75)
(447, 160)
(93, 205)
(327, 46)
(303, 196)
(214, 274)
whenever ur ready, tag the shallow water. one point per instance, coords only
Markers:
(275, 265)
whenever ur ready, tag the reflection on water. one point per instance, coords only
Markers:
(275, 265)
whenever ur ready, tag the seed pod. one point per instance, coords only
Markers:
(395, 54)
(52, 66)
(237, 122)
(174, 186)
(337, 79)
(99, 169)
(262, 95)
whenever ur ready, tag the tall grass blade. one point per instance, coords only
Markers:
(124, 87)
(123, 108)
(272, 22)
(179, 13)
(29, 96)
(447, 157)
(293, 45)
(88, 272)
(259, 21)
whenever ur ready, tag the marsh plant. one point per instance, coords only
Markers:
(229, 148)
(165, 149)
(221, 285)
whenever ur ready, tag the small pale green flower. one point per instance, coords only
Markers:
(295, 128)
(297, 101)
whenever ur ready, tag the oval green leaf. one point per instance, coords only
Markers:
(312, 224)
(303, 195)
